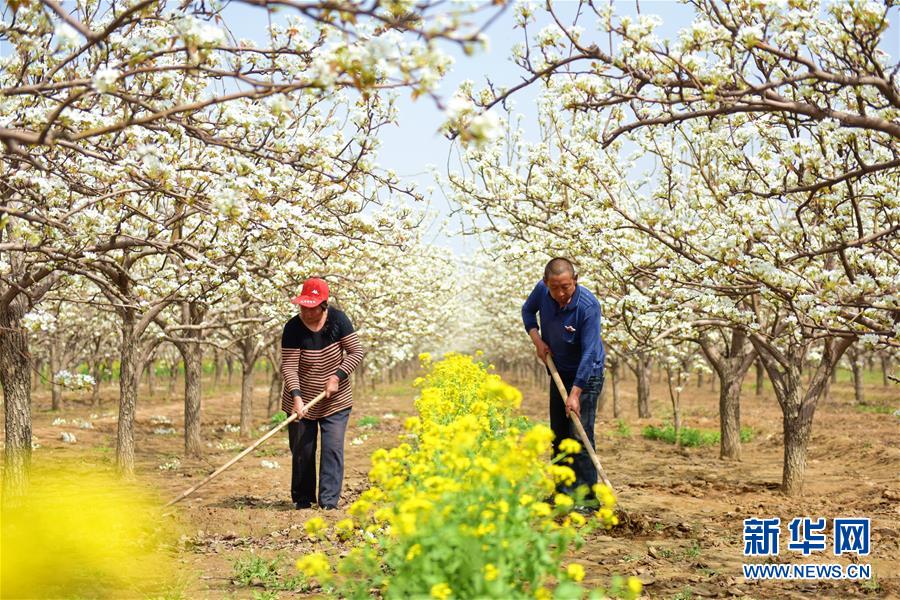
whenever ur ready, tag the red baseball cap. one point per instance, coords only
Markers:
(314, 293)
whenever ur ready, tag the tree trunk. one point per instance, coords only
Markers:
(643, 386)
(247, 399)
(217, 363)
(128, 388)
(95, 391)
(229, 365)
(797, 426)
(173, 377)
(885, 369)
(15, 375)
(274, 392)
(699, 379)
(857, 367)
(760, 377)
(151, 377)
(55, 387)
(675, 396)
(617, 412)
(193, 369)
(730, 417)
(798, 408)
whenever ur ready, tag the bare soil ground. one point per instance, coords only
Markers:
(681, 530)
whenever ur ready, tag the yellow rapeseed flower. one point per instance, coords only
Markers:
(425, 357)
(542, 593)
(315, 526)
(414, 552)
(314, 565)
(569, 446)
(562, 474)
(344, 528)
(575, 572)
(563, 501)
(490, 572)
(634, 586)
(441, 591)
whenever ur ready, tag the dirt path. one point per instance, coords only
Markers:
(682, 531)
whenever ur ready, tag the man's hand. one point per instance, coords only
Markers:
(299, 408)
(331, 386)
(541, 347)
(573, 402)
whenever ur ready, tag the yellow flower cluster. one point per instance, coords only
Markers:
(453, 510)
(314, 566)
(315, 527)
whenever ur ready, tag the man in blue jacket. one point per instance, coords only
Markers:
(569, 331)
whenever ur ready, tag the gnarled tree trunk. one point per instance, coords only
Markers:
(760, 377)
(797, 406)
(247, 398)
(55, 387)
(642, 372)
(193, 369)
(15, 375)
(129, 373)
(856, 364)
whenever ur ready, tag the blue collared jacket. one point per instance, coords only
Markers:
(573, 332)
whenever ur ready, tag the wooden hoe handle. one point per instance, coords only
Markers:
(291, 418)
(579, 428)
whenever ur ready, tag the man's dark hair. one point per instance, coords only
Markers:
(558, 266)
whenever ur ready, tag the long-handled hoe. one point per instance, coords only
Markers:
(273, 431)
(579, 428)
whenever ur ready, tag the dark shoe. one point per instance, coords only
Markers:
(302, 505)
(329, 507)
(584, 510)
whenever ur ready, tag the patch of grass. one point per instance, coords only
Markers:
(691, 437)
(882, 409)
(368, 422)
(871, 585)
(270, 451)
(277, 418)
(255, 570)
(622, 429)
(693, 551)
(685, 594)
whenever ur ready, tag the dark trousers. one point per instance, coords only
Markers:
(585, 473)
(302, 437)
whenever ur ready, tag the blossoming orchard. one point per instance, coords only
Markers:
(270, 273)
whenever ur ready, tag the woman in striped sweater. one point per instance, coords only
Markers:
(319, 350)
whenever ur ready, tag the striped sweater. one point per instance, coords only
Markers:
(309, 358)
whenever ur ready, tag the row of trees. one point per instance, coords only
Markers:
(181, 182)
(731, 190)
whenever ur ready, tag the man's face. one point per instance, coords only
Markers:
(562, 287)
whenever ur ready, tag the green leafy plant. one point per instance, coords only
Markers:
(689, 436)
(368, 422)
(256, 570)
(622, 429)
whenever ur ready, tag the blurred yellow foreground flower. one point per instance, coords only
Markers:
(79, 531)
